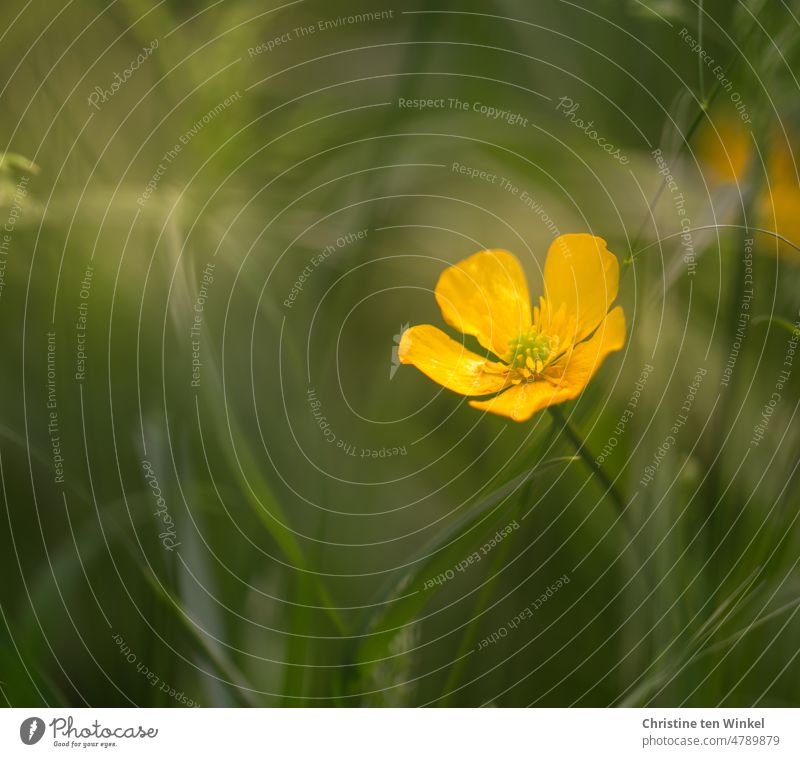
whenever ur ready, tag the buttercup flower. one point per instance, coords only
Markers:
(727, 151)
(780, 200)
(546, 355)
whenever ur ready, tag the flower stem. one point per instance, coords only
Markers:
(587, 457)
(624, 514)
(705, 104)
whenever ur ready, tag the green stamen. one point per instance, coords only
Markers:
(529, 350)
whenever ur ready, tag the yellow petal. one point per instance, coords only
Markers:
(779, 212)
(520, 402)
(581, 274)
(449, 363)
(577, 367)
(566, 379)
(781, 167)
(559, 325)
(486, 296)
(725, 147)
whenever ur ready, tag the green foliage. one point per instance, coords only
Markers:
(315, 486)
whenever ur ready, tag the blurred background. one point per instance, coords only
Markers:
(219, 486)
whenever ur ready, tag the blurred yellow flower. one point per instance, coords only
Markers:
(547, 355)
(727, 150)
(779, 199)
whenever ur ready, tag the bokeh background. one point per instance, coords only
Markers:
(219, 488)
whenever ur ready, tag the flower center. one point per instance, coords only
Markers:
(529, 351)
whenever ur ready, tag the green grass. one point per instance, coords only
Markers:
(304, 575)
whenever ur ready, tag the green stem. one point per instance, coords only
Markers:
(705, 104)
(624, 516)
(700, 61)
(728, 404)
(698, 119)
(587, 457)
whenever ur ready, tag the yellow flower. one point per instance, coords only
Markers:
(779, 200)
(548, 354)
(726, 149)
